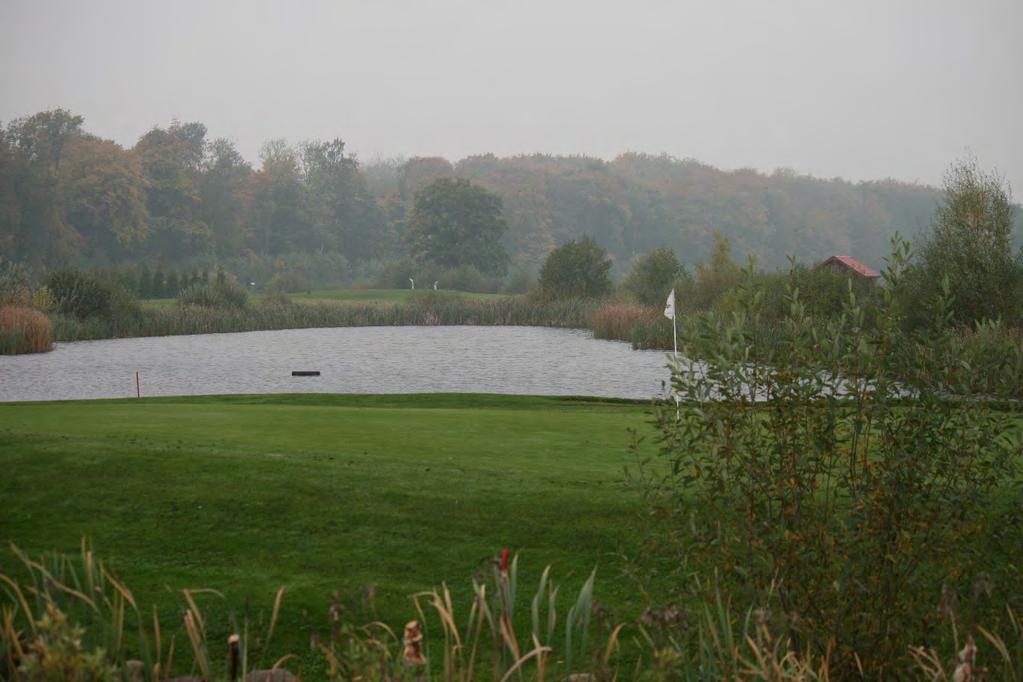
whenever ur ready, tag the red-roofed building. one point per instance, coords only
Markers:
(850, 265)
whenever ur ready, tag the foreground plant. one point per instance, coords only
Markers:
(834, 475)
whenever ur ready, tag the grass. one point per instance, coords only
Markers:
(352, 295)
(320, 493)
(378, 295)
(24, 330)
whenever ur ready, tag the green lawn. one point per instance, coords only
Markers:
(320, 493)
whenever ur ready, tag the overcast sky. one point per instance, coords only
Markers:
(861, 89)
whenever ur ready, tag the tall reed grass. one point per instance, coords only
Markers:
(69, 617)
(279, 312)
(24, 330)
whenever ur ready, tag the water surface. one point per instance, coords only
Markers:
(463, 359)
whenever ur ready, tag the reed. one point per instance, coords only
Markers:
(68, 617)
(24, 330)
(429, 308)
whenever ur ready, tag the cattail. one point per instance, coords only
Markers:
(967, 671)
(413, 641)
(232, 648)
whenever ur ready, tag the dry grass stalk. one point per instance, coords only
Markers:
(24, 330)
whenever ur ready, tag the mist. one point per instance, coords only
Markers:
(859, 90)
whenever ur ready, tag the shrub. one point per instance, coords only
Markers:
(79, 293)
(23, 330)
(288, 283)
(578, 269)
(466, 278)
(15, 284)
(85, 295)
(518, 281)
(719, 275)
(826, 469)
(654, 275)
(222, 293)
(971, 245)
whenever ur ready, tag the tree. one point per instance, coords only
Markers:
(104, 194)
(171, 162)
(457, 223)
(341, 206)
(970, 244)
(279, 212)
(578, 269)
(654, 275)
(223, 195)
(720, 274)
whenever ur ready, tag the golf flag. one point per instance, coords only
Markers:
(669, 309)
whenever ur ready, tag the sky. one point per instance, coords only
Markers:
(860, 89)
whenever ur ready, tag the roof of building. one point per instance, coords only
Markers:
(853, 264)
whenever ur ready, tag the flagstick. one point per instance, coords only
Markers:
(674, 336)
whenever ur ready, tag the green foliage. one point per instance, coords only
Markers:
(56, 654)
(180, 198)
(578, 269)
(224, 294)
(835, 471)
(455, 223)
(971, 245)
(654, 275)
(288, 283)
(85, 295)
(823, 292)
(15, 284)
(714, 278)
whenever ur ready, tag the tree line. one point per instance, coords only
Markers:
(183, 199)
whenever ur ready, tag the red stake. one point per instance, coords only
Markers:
(138, 388)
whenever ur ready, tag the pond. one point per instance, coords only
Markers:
(464, 359)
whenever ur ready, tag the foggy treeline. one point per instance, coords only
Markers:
(182, 197)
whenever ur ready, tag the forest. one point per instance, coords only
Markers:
(182, 199)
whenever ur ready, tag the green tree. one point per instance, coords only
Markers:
(715, 277)
(279, 215)
(457, 223)
(223, 190)
(341, 206)
(33, 220)
(171, 162)
(970, 244)
(578, 269)
(654, 275)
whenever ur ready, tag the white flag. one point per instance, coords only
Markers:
(669, 309)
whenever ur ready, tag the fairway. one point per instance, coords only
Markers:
(319, 493)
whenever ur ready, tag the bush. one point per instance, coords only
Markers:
(518, 281)
(86, 295)
(654, 275)
(715, 278)
(825, 469)
(578, 269)
(15, 284)
(466, 278)
(288, 283)
(23, 330)
(222, 293)
(971, 245)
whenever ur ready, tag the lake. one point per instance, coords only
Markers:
(458, 359)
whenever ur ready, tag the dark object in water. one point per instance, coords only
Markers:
(306, 373)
